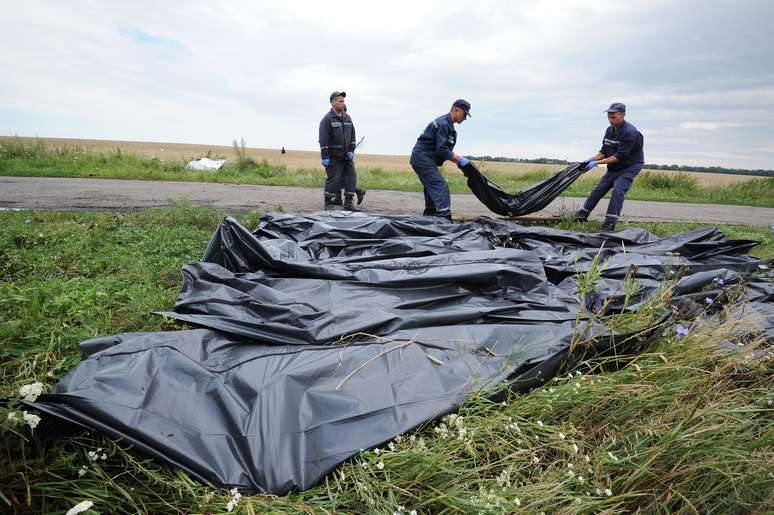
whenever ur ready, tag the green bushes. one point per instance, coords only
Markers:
(663, 181)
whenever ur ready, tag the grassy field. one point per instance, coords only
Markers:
(24, 157)
(681, 428)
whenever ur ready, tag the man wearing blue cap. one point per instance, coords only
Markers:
(337, 151)
(622, 153)
(434, 146)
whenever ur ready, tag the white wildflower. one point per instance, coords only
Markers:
(570, 473)
(31, 420)
(413, 512)
(599, 492)
(517, 501)
(578, 500)
(561, 436)
(30, 392)
(580, 479)
(398, 438)
(104, 456)
(570, 466)
(540, 423)
(80, 507)
(587, 458)
(608, 492)
(535, 459)
(575, 448)
(92, 455)
(412, 438)
(377, 451)
(235, 496)
(380, 465)
(421, 444)
(578, 373)
(82, 471)
(612, 457)
(391, 446)
(12, 415)
(364, 465)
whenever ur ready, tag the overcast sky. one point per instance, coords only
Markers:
(697, 76)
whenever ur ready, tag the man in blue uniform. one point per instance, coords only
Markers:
(622, 153)
(433, 147)
(337, 152)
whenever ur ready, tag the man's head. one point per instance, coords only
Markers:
(337, 101)
(460, 110)
(616, 113)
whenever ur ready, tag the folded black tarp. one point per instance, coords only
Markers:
(524, 202)
(325, 334)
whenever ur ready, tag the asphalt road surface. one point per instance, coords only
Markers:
(126, 195)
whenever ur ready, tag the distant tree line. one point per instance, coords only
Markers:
(677, 168)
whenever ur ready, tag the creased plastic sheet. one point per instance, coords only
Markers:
(325, 334)
(531, 200)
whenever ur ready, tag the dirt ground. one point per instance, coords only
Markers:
(295, 159)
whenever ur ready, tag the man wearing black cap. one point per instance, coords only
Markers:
(337, 150)
(622, 153)
(433, 147)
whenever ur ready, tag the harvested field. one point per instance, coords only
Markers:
(310, 159)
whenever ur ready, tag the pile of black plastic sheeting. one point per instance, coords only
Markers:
(325, 334)
(528, 201)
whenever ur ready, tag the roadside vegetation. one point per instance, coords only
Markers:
(22, 158)
(683, 427)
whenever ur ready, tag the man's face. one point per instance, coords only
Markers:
(458, 115)
(615, 119)
(338, 104)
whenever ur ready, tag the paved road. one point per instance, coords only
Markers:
(107, 194)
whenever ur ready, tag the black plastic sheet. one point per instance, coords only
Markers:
(524, 202)
(325, 334)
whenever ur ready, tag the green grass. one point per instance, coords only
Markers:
(679, 428)
(19, 158)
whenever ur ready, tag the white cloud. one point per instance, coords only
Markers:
(538, 74)
(708, 126)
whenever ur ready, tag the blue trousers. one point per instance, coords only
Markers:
(620, 182)
(437, 196)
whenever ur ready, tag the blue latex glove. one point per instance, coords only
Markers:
(326, 162)
(350, 156)
(463, 162)
(591, 164)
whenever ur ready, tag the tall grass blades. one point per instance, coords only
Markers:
(684, 427)
(244, 162)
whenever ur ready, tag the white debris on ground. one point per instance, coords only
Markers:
(206, 164)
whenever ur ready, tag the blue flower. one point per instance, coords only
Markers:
(681, 331)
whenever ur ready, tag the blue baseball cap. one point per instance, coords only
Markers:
(616, 107)
(462, 104)
(338, 94)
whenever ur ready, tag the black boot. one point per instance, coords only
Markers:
(349, 202)
(329, 205)
(360, 195)
(336, 199)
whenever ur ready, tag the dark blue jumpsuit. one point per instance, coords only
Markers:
(625, 143)
(433, 147)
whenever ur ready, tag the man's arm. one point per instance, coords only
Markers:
(353, 139)
(324, 139)
(442, 149)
